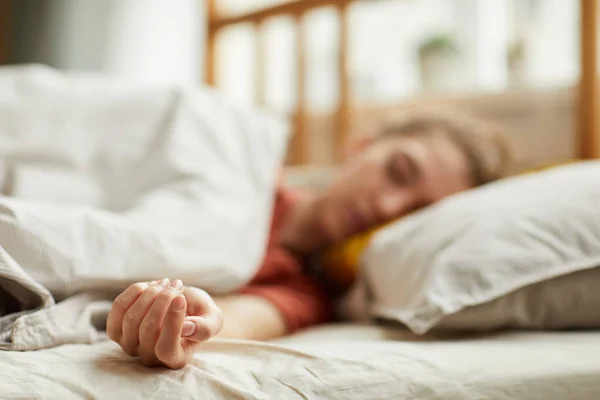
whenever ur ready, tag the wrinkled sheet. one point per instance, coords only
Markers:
(335, 362)
(104, 183)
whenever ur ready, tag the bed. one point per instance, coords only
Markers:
(344, 361)
(330, 362)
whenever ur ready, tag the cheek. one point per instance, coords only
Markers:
(368, 175)
(359, 184)
(396, 202)
(353, 180)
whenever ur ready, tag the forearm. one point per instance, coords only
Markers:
(250, 317)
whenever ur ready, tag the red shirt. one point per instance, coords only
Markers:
(301, 299)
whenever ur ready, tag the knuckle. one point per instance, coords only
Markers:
(149, 328)
(130, 318)
(138, 288)
(120, 304)
(152, 291)
(124, 299)
(150, 322)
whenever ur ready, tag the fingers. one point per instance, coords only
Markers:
(136, 313)
(114, 322)
(206, 318)
(150, 326)
(168, 347)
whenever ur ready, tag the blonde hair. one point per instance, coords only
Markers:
(484, 144)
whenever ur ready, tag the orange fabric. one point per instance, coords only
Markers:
(300, 298)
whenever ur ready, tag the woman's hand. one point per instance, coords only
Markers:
(162, 322)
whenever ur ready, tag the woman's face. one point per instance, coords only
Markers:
(389, 178)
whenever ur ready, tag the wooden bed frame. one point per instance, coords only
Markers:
(588, 128)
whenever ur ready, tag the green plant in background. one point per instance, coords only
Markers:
(516, 52)
(437, 59)
(438, 45)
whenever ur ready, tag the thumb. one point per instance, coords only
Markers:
(200, 329)
(205, 318)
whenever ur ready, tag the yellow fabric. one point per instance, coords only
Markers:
(546, 166)
(341, 262)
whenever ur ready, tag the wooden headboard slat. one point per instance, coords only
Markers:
(300, 150)
(211, 44)
(589, 106)
(344, 103)
(291, 7)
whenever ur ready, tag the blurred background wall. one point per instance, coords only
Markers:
(151, 40)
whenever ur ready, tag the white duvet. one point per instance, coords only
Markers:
(107, 183)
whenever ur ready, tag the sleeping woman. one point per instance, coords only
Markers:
(406, 167)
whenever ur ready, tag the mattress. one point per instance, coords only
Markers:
(330, 362)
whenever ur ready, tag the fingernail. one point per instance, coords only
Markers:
(153, 283)
(178, 303)
(177, 284)
(164, 283)
(189, 328)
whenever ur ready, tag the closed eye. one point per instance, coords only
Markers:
(403, 170)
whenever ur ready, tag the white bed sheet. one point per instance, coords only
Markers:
(333, 362)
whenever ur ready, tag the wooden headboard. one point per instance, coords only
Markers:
(300, 146)
(585, 132)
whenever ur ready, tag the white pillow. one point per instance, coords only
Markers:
(113, 182)
(477, 259)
